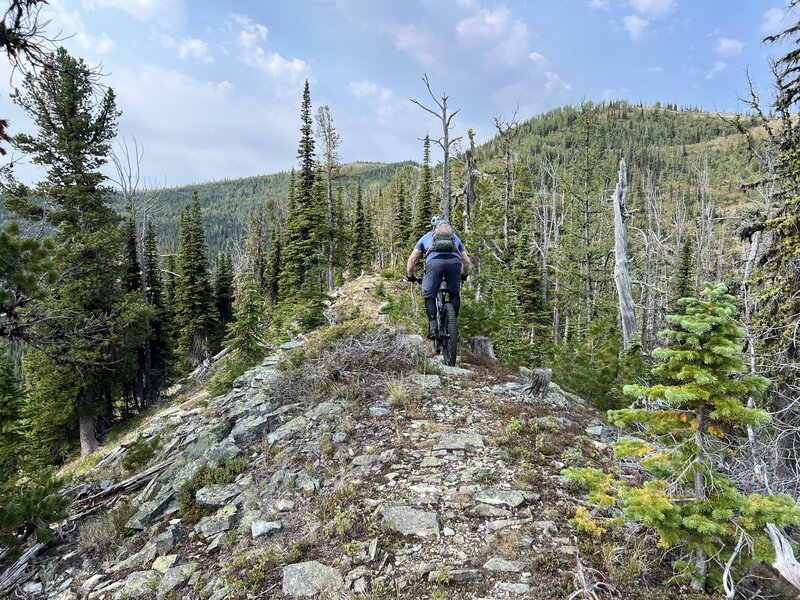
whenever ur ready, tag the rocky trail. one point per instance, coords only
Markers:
(345, 466)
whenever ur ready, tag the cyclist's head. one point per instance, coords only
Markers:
(438, 220)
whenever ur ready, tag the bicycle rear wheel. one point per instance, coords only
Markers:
(449, 335)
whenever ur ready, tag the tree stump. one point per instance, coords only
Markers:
(539, 383)
(483, 347)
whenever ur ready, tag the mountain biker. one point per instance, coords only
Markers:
(445, 258)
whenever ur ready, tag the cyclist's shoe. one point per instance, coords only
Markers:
(433, 330)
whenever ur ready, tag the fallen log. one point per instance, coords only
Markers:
(18, 572)
(78, 508)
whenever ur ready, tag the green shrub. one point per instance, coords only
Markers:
(140, 452)
(28, 505)
(222, 381)
(224, 472)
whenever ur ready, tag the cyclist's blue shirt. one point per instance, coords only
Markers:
(426, 241)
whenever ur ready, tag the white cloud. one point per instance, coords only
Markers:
(164, 12)
(254, 55)
(251, 33)
(653, 9)
(718, 67)
(771, 20)
(239, 136)
(729, 47)
(536, 57)
(506, 37)
(71, 24)
(554, 84)
(415, 42)
(194, 48)
(655, 69)
(599, 4)
(370, 89)
(635, 26)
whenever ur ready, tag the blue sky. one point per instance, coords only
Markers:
(212, 89)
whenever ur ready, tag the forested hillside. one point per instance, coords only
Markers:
(644, 258)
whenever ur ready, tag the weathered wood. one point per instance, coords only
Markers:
(482, 346)
(18, 572)
(539, 383)
(785, 562)
(622, 275)
(80, 507)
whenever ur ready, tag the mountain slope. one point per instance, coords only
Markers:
(350, 466)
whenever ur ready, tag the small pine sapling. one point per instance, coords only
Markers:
(694, 413)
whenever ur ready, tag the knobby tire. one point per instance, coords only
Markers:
(449, 335)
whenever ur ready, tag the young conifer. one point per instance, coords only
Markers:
(699, 403)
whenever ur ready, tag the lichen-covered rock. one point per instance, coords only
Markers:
(216, 496)
(511, 499)
(459, 442)
(309, 579)
(259, 528)
(502, 565)
(140, 584)
(410, 521)
(174, 579)
(223, 520)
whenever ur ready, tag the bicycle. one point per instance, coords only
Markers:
(446, 343)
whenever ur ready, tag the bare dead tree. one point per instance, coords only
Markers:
(444, 142)
(622, 276)
(507, 129)
(331, 140)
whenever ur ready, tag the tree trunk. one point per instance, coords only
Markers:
(701, 559)
(622, 275)
(482, 346)
(89, 441)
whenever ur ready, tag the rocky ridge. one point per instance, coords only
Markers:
(409, 482)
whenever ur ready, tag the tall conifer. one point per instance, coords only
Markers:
(424, 208)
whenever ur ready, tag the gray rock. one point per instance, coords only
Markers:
(378, 411)
(457, 576)
(430, 461)
(140, 584)
(340, 437)
(91, 583)
(163, 563)
(216, 496)
(249, 429)
(144, 556)
(411, 521)
(174, 579)
(307, 484)
(227, 448)
(150, 511)
(457, 371)
(521, 589)
(324, 409)
(489, 511)
(364, 460)
(427, 381)
(223, 520)
(501, 565)
(259, 528)
(309, 579)
(545, 527)
(287, 429)
(33, 587)
(284, 505)
(511, 499)
(462, 442)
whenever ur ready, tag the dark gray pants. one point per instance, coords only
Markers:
(436, 270)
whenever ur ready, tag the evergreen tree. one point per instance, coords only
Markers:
(132, 278)
(223, 288)
(170, 273)
(684, 278)
(402, 219)
(526, 274)
(697, 405)
(160, 338)
(274, 266)
(246, 334)
(12, 433)
(304, 221)
(75, 123)
(361, 249)
(424, 209)
(194, 300)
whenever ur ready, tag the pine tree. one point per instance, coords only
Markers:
(304, 221)
(424, 208)
(684, 278)
(361, 249)
(160, 340)
(274, 266)
(527, 278)
(402, 219)
(223, 288)
(132, 278)
(12, 433)
(75, 123)
(697, 406)
(246, 334)
(170, 273)
(194, 300)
